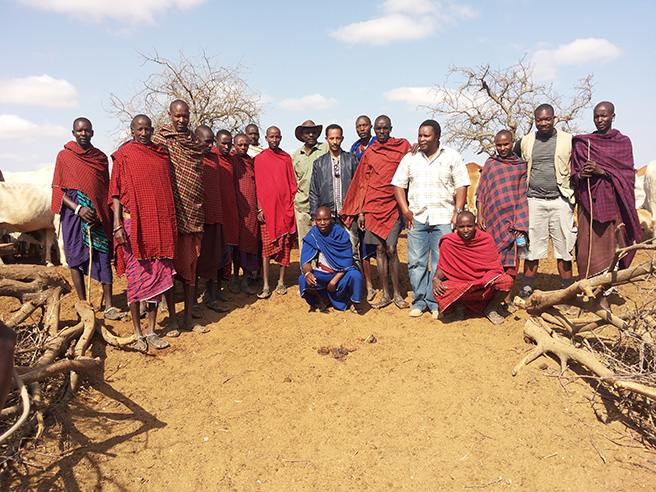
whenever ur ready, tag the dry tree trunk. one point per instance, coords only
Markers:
(540, 301)
(549, 342)
(23, 280)
(88, 317)
(7, 249)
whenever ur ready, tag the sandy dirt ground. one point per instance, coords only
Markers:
(253, 406)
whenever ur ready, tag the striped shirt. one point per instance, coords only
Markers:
(432, 184)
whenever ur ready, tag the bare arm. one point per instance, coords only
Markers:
(119, 232)
(461, 199)
(401, 198)
(88, 215)
(480, 221)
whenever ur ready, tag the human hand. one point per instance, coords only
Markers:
(311, 279)
(439, 289)
(361, 222)
(121, 236)
(409, 219)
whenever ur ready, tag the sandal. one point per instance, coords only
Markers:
(494, 317)
(281, 290)
(265, 294)
(371, 294)
(216, 307)
(139, 345)
(172, 333)
(234, 285)
(196, 311)
(384, 302)
(199, 329)
(401, 303)
(247, 289)
(222, 297)
(114, 314)
(156, 342)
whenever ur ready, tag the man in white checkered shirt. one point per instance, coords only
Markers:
(430, 187)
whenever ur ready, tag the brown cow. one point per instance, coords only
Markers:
(474, 171)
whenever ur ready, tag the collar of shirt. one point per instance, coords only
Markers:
(435, 157)
(313, 149)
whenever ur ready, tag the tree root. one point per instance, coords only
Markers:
(562, 348)
(539, 301)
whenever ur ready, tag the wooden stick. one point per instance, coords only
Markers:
(90, 261)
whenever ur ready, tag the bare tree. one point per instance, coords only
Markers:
(489, 100)
(217, 94)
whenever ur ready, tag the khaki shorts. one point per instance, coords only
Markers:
(550, 219)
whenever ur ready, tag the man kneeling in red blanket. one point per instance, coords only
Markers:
(469, 276)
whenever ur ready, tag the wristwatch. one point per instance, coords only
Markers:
(459, 210)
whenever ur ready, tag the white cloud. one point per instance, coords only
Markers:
(404, 20)
(413, 96)
(125, 11)
(41, 90)
(578, 52)
(14, 127)
(312, 101)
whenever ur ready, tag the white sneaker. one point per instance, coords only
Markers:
(416, 313)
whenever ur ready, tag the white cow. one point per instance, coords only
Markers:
(650, 193)
(42, 178)
(25, 207)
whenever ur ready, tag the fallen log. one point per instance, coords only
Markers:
(7, 249)
(21, 280)
(539, 301)
(82, 364)
(88, 317)
(112, 339)
(563, 349)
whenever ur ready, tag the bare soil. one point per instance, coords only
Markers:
(254, 406)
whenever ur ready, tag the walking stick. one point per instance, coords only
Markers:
(90, 261)
(587, 273)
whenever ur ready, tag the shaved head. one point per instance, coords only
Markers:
(82, 119)
(204, 131)
(178, 102)
(465, 215)
(608, 105)
(240, 135)
(205, 136)
(140, 118)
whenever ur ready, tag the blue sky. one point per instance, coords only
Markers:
(325, 61)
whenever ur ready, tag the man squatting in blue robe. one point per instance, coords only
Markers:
(335, 277)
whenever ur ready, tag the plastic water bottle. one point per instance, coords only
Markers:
(522, 248)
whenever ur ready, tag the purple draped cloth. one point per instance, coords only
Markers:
(613, 196)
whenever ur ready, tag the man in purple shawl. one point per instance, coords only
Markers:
(501, 203)
(334, 277)
(603, 177)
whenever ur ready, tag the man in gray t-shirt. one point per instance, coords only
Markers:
(550, 208)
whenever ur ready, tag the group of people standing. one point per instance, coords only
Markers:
(182, 204)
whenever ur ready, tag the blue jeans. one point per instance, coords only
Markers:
(424, 240)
